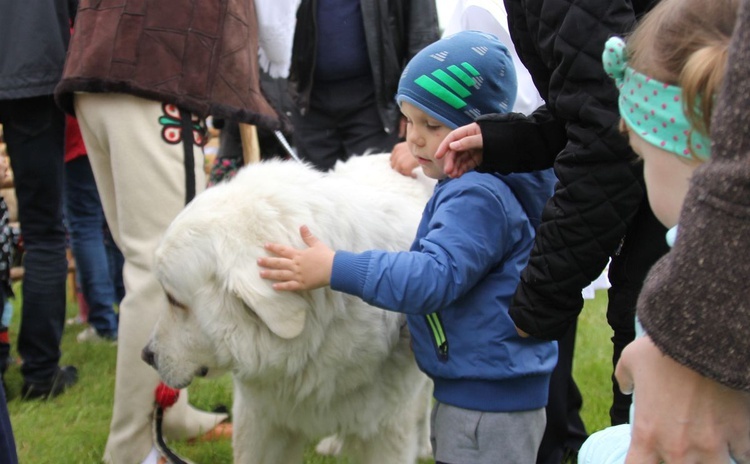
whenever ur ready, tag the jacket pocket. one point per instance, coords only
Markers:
(439, 339)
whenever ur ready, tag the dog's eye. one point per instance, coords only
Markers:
(174, 302)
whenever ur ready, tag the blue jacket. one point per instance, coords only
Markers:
(455, 285)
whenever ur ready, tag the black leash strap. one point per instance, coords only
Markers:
(161, 445)
(187, 146)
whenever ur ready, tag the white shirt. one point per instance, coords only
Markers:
(490, 16)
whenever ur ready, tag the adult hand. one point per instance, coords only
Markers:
(402, 160)
(462, 149)
(303, 269)
(680, 415)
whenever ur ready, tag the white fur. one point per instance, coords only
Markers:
(306, 364)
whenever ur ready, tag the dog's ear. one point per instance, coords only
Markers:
(283, 312)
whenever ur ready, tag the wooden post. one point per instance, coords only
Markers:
(250, 146)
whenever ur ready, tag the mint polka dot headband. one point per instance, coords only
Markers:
(653, 109)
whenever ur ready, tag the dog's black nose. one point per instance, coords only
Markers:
(148, 356)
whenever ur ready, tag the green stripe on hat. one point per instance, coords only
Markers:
(453, 84)
(470, 68)
(439, 91)
(465, 78)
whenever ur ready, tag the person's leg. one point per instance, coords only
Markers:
(316, 139)
(4, 340)
(644, 244)
(83, 307)
(34, 132)
(85, 219)
(134, 166)
(6, 291)
(565, 431)
(8, 453)
(462, 436)
(116, 261)
(359, 124)
(342, 121)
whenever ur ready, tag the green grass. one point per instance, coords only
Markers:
(73, 428)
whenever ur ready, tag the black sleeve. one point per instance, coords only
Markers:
(599, 189)
(514, 142)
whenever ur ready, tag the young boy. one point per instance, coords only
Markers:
(456, 282)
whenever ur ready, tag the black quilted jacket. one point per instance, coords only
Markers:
(600, 187)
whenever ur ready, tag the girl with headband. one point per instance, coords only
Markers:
(668, 75)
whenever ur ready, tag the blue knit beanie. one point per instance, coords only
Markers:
(459, 78)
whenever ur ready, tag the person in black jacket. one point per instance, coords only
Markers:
(34, 38)
(599, 210)
(347, 59)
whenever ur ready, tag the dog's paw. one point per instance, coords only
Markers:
(330, 446)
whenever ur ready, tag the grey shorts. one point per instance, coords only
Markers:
(462, 436)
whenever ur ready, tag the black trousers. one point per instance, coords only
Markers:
(343, 120)
(643, 245)
(565, 429)
(34, 130)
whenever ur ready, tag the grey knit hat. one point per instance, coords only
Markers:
(459, 78)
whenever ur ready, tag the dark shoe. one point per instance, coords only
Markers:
(64, 378)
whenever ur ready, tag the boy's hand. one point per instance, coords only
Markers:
(402, 160)
(294, 269)
(462, 149)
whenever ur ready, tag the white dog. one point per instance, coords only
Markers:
(307, 364)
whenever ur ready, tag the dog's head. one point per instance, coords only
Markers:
(207, 265)
(222, 314)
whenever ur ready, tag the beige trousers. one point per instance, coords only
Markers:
(140, 176)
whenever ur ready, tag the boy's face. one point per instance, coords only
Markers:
(423, 136)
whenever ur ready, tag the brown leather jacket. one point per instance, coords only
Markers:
(201, 56)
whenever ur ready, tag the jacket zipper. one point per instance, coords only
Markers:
(438, 335)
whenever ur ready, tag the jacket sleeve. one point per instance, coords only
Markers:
(695, 303)
(422, 28)
(449, 260)
(514, 142)
(598, 190)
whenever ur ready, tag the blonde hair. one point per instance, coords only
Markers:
(684, 43)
